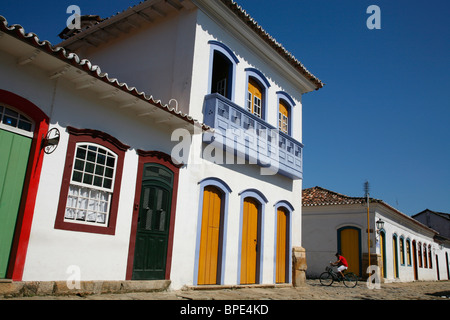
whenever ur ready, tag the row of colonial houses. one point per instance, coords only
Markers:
(163, 142)
(400, 247)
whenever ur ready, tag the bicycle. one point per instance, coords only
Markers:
(327, 278)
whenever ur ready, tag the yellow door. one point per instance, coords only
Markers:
(283, 117)
(254, 98)
(282, 242)
(350, 248)
(249, 246)
(383, 253)
(209, 239)
(395, 256)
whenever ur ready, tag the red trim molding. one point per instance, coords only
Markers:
(100, 138)
(165, 160)
(31, 183)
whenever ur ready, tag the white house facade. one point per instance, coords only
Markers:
(403, 248)
(121, 186)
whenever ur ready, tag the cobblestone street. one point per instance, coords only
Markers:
(313, 290)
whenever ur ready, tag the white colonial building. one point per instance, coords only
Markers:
(105, 178)
(403, 248)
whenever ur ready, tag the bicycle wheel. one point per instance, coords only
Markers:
(350, 280)
(326, 279)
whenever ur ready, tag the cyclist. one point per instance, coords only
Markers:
(341, 263)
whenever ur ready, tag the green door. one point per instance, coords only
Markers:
(14, 152)
(152, 236)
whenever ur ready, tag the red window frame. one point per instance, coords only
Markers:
(109, 142)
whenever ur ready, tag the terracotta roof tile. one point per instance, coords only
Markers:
(318, 196)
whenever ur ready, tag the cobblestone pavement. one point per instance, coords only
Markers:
(312, 290)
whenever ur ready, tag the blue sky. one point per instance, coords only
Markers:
(384, 113)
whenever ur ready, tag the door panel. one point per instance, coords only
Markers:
(249, 246)
(14, 152)
(282, 243)
(210, 236)
(350, 248)
(152, 233)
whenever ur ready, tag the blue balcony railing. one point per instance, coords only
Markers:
(251, 138)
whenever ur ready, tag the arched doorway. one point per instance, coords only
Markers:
(211, 236)
(250, 244)
(383, 253)
(23, 126)
(349, 245)
(282, 249)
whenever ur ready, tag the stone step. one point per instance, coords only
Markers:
(9, 288)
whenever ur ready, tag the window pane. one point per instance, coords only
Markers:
(107, 183)
(86, 205)
(98, 181)
(81, 152)
(87, 178)
(101, 158)
(91, 156)
(24, 125)
(99, 170)
(77, 176)
(111, 162)
(79, 165)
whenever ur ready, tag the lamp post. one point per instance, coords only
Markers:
(366, 190)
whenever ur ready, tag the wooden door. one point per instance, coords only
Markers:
(249, 246)
(414, 252)
(14, 152)
(210, 237)
(350, 248)
(383, 253)
(152, 235)
(395, 256)
(282, 246)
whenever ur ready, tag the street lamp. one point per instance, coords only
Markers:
(380, 225)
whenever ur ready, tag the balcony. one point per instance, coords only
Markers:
(251, 138)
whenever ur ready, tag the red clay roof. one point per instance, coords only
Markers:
(318, 196)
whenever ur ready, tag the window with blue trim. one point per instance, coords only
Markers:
(223, 69)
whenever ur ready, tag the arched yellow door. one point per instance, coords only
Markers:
(282, 243)
(349, 239)
(249, 246)
(210, 236)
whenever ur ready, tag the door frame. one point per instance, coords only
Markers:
(289, 208)
(166, 161)
(226, 190)
(22, 231)
(259, 197)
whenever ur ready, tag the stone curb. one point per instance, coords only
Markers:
(9, 289)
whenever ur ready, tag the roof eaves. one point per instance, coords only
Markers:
(73, 59)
